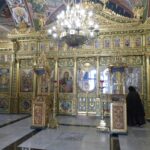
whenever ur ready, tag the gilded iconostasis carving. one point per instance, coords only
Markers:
(26, 80)
(26, 85)
(66, 81)
(4, 104)
(133, 74)
(4, 79)
(6, 60)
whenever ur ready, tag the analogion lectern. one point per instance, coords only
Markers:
(41, 115)
(118, 116)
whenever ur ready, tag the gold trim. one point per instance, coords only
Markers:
(98, 76)
(75, 101)
(11, 75)
(55, 101)
(18, 83)
(148, 84)
(34, 82)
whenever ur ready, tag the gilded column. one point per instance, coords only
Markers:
(53, 121)
(11, 79)
(75, 100)
(56, 87)
(98, 76)
(148, 88)
(98, 90)
(34, 81)
(17, 86)
(35, 85)
(12, 86)
(144, 41)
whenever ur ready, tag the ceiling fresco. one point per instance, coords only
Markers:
(42, 12)
(6, 20)
(45, 9)
(4, 10)
(33, 12)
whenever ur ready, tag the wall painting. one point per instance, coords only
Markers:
(66, 80)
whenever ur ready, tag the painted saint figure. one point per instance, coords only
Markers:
(66, 83)
(20, 14)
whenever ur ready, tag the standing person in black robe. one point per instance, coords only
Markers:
(135, 109)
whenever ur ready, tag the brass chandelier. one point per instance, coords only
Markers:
(75, 25)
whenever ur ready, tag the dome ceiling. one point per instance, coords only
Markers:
(36, 12)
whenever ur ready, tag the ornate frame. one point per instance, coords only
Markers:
(38, 113)
(118, 117)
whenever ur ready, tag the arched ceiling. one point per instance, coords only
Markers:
(36, 10)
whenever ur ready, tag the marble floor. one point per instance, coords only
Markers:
(68, 138)
(137, 138)
(11, 133)
(6, 119)
(73, 133)
(86, 121)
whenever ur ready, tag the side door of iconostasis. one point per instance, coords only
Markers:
(6, 63)
(25, 84)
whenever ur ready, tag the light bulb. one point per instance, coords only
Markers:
(62, 14)
(82, 11)
(90, 13)
(49, 31)
(68, 8)
(91, 34)
(58, 16)
(96, 26)
(77, 6)
(55, 35)
(54, 28)
(91, 23)
(78, 24)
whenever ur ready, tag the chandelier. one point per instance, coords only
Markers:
(75, 25)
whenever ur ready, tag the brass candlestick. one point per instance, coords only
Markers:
(53, 123)
(102, 124)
